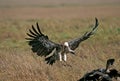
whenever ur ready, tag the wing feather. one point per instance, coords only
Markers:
(32, 33)
(40, 43)
(51, 59)
(35, 30)
(38, 28)
(29, 38)
(75, 42)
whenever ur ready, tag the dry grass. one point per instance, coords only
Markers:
(55, 3)
(18, 63)
(59, 12)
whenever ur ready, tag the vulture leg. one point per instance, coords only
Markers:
(65, 57)
(60, 57)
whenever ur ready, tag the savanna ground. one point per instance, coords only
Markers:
(60, 23)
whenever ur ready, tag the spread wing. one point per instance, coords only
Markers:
(75, 43)
(41, 44)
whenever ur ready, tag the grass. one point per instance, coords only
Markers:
(19, 63)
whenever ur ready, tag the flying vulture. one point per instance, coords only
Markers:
(43, 46)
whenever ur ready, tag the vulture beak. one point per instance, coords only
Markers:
(72, 52)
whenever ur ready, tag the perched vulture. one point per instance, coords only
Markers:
(106, 74)
(43, 46)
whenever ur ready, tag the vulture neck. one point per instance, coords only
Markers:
(67, 48)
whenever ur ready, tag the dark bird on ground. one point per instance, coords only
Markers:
(106, 74)
(113, 73)
(43, 46)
